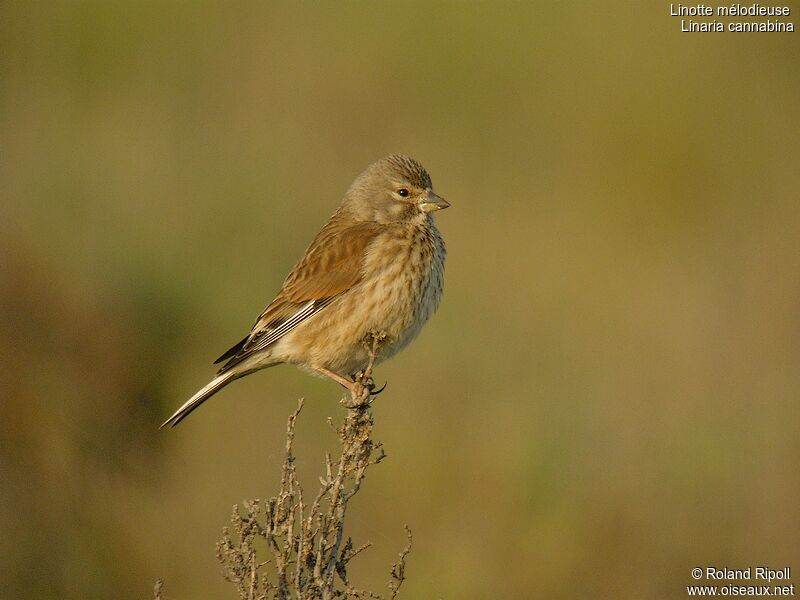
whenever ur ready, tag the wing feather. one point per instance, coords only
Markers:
(331, 265)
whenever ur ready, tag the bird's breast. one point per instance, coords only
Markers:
(401, 286)
(404, 276)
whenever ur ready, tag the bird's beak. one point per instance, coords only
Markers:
(431, 202)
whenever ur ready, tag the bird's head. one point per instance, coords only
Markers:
(394, 189)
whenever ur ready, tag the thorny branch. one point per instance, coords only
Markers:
(287, 548)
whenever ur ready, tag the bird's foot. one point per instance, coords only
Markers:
(363, 391)
(360, 388)
(368, 382)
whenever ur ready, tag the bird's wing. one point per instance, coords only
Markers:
(331, 265)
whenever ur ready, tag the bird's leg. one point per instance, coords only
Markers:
(350, 385)
(361, 386)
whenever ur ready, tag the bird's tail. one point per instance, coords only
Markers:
(215, 385)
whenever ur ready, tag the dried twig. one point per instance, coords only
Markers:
(304, 544)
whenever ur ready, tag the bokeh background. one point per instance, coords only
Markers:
(608, 395)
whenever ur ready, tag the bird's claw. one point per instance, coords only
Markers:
(374, 392)
(369, 383)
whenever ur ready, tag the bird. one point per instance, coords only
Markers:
(376, 266)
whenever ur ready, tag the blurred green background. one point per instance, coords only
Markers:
(608, 395)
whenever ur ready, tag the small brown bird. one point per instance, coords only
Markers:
(376, 266)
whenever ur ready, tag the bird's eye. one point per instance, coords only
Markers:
(403, 192)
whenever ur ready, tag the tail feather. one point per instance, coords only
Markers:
(215, 385)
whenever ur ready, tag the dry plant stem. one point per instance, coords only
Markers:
(285, 548)
(157, 589)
